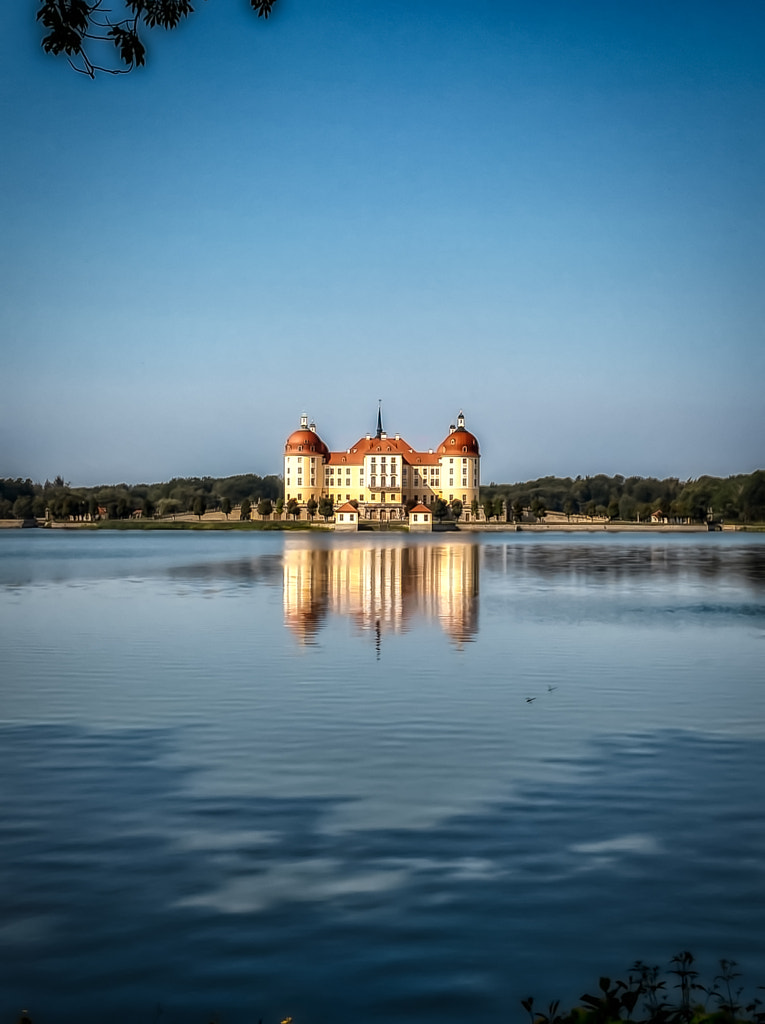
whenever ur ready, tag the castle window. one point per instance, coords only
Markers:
(464, 447)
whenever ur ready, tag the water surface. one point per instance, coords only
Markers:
(373, 778)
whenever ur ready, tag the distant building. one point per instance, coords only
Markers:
(420, 518)
(347, 517)
(382, 472)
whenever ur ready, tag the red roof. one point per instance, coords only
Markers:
(420, 508)
(308, 440)
(459, 441)
(347, 507)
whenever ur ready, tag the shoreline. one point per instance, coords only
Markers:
(302, 526)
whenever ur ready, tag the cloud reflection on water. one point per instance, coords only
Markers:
(243, 897)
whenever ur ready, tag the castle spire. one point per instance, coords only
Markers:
(379, 418)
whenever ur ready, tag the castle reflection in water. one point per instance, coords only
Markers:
(381, 587)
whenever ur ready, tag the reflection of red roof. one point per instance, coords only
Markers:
(420, 508)
(307, 440)
(347, 507)
(461, 441)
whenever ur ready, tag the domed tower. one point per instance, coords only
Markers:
(304, 457)
(460, 459)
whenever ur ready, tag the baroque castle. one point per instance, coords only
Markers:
(381, 472)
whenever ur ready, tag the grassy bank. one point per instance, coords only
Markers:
(185, 524)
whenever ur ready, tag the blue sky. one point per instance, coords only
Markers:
(549, 215)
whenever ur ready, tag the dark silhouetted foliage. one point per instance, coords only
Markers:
(87, 31)
(646, 997)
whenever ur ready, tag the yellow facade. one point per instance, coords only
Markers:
(382, 472)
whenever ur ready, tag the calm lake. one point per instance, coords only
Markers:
(373, 778)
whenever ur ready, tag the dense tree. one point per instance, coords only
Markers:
(538, 508)
(88, 32)
(440, 508)
(310, 507)
(265, 507)
(752, 499)
(200, 505)
(456, 507)
(168, 507)
(22, 507)
(225, 506)
(245, 509)
(627, 506)
(326, 508)
(293, 508)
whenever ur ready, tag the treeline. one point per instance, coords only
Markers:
(730, 499)
(24, 499)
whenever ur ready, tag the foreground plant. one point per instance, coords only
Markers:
(646, 997)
